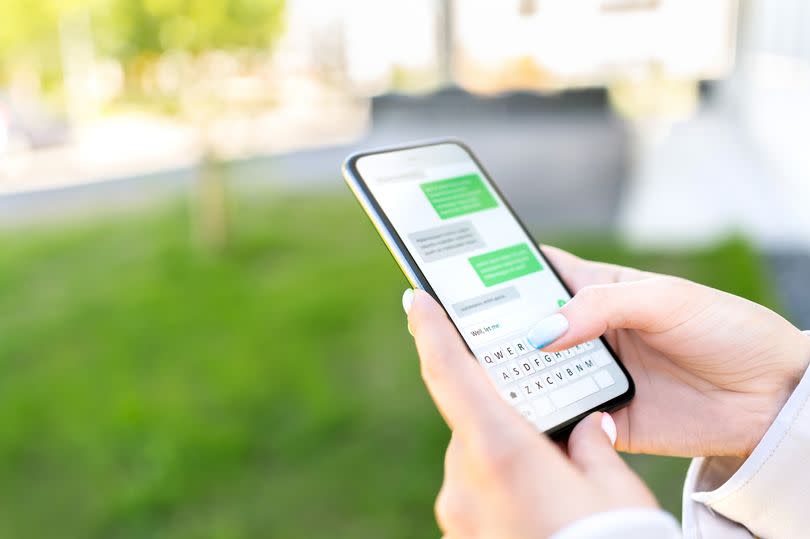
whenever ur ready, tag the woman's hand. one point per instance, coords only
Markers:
(502, 478)
(712, 370)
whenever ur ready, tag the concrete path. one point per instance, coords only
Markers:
(561, 162)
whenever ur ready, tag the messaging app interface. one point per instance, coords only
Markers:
(493, 282)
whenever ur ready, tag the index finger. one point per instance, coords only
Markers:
(459, 386)
(579, 273)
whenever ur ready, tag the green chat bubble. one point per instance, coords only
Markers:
(458, 196)
(505, 264)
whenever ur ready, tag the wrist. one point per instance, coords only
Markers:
(773, 400)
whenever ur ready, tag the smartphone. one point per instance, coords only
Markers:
(454, 236)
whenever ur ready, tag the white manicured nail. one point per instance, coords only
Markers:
(547, 330)
(609, 426)
(407, 300)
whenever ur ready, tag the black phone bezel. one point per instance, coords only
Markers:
(563, 429)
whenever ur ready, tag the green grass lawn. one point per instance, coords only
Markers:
(148, 389)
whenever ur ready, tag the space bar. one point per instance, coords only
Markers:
(573, 392)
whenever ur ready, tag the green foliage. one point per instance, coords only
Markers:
(150, 390)
(29, 33)
(129, 29)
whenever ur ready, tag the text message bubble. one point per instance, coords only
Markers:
(447, 240)
(458, 196)
(486, 301)
(505, 264)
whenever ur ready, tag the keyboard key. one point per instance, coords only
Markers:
(542, 406)
(589, 345)
(548, 359)
(589, 363)
(604, 379)
(487, 358)
(528, 389)
(558, 356)
(602, 358)
(512, 394)
(526, 365)
(521, 347)
(503, 375)
(511, 352)
(573, 392)
(569, 371)
(567, 354)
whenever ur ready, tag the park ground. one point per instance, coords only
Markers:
(149, 388)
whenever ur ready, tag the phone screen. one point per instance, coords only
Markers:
(490, 277)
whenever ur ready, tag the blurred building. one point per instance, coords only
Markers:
(491, 47)
(684, 167)
(501, 75)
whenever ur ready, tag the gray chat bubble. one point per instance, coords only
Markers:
(486, 301)
(446, 240)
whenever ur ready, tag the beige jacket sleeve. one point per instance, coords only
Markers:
(766, 495)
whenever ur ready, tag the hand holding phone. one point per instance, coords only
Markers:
(502, 479)
(712, 369)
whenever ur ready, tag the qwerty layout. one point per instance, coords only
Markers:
(538, 383)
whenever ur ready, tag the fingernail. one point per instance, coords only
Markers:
(547, 330)
(609, 426)
(407, 300)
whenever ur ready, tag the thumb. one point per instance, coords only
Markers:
(590, 448)
(458, 385)
(653, 304)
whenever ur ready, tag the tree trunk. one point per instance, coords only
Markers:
(211, 204)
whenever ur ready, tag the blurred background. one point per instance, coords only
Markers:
(200, 334)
